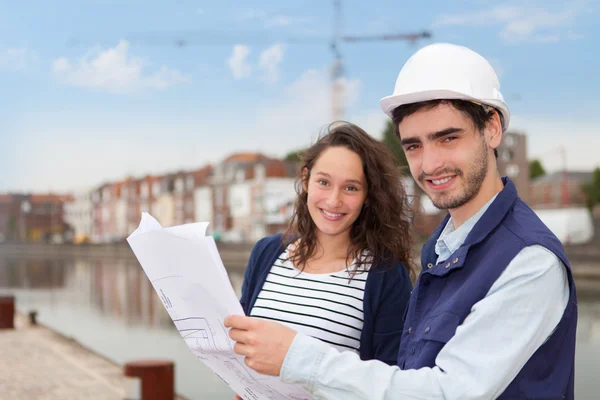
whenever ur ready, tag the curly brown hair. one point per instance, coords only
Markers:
(383, 226)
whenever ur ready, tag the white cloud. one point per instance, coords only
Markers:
(238, 62)
(519, 22)
(48, 156)
(14, 59)
(373, 122)
(115, 70)
(56, 162)
(313, 89)
(269, 62)
(295, 119)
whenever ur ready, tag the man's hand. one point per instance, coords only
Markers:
(263, 343)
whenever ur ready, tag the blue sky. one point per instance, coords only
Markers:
(96, 91)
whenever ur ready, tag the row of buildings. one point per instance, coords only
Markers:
(32, 217)
(244, 197)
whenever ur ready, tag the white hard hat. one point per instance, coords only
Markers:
(447, 71)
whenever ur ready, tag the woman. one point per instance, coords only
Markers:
(341, 272)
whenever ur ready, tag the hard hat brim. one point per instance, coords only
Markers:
(390, 103)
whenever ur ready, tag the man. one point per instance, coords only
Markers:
(493, 313)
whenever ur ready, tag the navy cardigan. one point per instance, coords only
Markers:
(387, 291)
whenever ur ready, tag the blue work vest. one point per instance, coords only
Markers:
(446, 291)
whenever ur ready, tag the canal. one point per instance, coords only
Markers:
(111, 308)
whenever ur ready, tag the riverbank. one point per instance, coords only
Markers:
(39, 364)
(234, 256)
(585, 260)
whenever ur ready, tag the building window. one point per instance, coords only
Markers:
(219, 196)
(240, 175)
(259, 172)
(179, 185)
(144, 190)
(512, 170)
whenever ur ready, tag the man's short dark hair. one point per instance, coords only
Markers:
(479, 115)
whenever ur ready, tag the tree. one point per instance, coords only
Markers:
(592, 189)
(393, 143)
(293, 156)
(536, 169)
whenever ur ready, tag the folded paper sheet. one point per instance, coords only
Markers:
(187, 273)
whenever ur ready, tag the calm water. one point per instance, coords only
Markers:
(111, 308)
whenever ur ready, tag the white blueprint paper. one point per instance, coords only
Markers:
(187, 273)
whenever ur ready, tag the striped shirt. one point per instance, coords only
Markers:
(328, 307)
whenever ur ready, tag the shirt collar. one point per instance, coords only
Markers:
(451, 239)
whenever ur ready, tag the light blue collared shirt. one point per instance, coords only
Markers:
(451, 239)
(489, 348)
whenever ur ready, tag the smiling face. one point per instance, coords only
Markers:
(337, 189)
(446, 154)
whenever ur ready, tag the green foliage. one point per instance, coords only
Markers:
(393, 143)
(536, 169)
(592, 189)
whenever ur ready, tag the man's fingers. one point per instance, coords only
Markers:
(251, 363)
(255, 365)
(241, 349)
(247, 352)
(238, 322)
(238, 335)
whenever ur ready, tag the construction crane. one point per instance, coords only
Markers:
(192, 38)
(337, 69)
